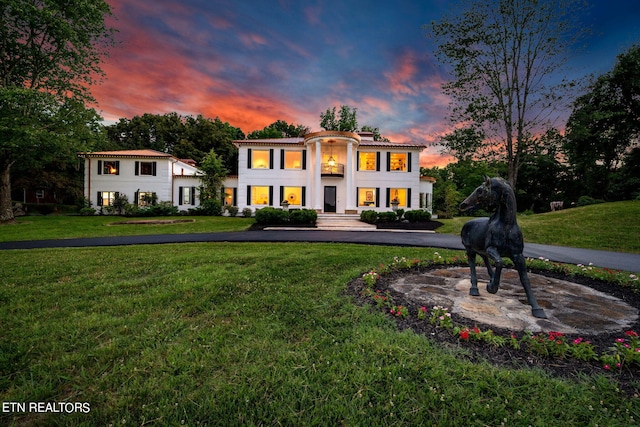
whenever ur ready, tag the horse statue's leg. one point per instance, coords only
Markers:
(494, 283)
(471, 257)
(521, 266)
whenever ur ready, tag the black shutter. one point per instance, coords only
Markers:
(117, 162)
(378, 161)
(137, 168)
(249, 158)
(357, 196)
(304, 159)
(357, 160)
(281, 194)
(409, 162)
(388, 197)
(154, 168)
(135, 196)
(409, 196)
(99, 167)
(304, 196)
(234, 201)
(271, 158)
(388, 162)
(281, 159)
(99, 198)
(180, 191)
(248, 195)
(193, 195)
(377, 197)
(271, 195)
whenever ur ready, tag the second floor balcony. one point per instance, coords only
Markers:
(332, 170)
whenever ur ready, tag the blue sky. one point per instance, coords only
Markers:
(252, 62)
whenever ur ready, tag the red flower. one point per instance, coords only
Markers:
(476, 330)
(464, 334)
(631, 334)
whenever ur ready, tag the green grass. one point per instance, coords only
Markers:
(607, 226)
(72, 226)
(250, 334)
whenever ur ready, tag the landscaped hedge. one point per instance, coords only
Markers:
(372, 217)
(274, 216)
(418, 215)
(369, 216)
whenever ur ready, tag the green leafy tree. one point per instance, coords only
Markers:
(279, 129)
(50, 55)
(346, 120)
(376, 133)
(504, 55)
(604, 126)
(215, 173)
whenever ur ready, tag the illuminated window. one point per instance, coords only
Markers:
(106, 198)
(293, 195)
(145, 168)
(228, 196)
(259, 195)
(399, 195)
(367, 161)
(147, 198)
(367, 197)
(109, 167)
(293, 159)
(260, 159)
(398, 162)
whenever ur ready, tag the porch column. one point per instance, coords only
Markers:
(350, 177)
(317, 191)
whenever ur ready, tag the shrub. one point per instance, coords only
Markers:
(208, 207)
(387, 217)
(271, 216)
(120, 202)
(399, 213)
(588, 200)
(303, 216)
(87, 211)
(247, 212)
(418, 215)
(369, 216)
(233, 210)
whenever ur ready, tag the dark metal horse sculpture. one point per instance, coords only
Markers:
(496, 237)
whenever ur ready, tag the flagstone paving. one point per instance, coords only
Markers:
(571, 308)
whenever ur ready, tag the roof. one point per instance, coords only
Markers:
(301, 141)
(127, 153)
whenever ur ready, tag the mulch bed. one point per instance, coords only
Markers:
(405, 225)
(628, 378)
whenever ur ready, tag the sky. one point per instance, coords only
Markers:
(252, 62)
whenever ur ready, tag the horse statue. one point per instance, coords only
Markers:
(496, 237)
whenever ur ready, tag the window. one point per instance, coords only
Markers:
(367, 197)
(260, 159)
(293, 159)
(398, 162)
(293, 195)
(147, 198)
(146, 168)
(399, 195)
(108, 167)
(260, 195)
(187, 195)
(368, 161)
(39, 194)
(106, 198)
(230, 196)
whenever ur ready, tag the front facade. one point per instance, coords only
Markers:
(330, 172)
(141, 175)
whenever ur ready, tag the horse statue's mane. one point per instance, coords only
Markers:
(495, 237)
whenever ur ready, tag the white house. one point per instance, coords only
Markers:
(329, 171)
(140, 174)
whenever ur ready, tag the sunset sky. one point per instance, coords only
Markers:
(252, 62)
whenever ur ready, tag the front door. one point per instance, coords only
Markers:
(330, 199)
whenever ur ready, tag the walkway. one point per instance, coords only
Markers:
(613, 260)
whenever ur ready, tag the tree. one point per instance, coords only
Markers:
(503, 54)
(50, 55)
(279, 129)
(346, 120)
(604, 126)
(376, 133)
(212, 181)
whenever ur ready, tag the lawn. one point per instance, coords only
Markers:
(251, 334)
(72, 226)
(607, 226)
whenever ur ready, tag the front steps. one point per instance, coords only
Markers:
(342, 222)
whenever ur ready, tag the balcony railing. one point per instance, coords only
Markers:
(336, 170)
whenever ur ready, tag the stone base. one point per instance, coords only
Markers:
(570, 308)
